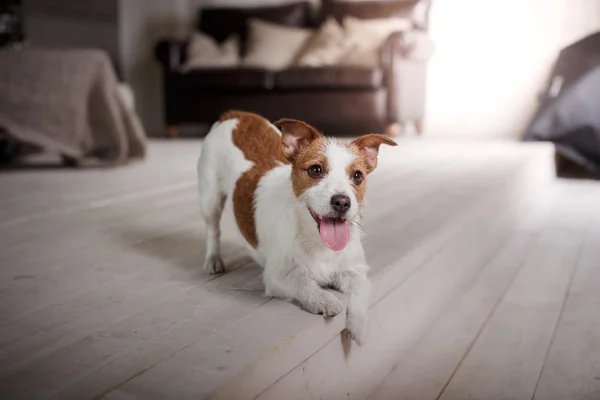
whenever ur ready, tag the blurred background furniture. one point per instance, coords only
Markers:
(568, 112)
(69, 103)
(339, 99)
(11, 23)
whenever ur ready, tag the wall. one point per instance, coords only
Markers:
(142, 24)
(493, 58)
(68, 23)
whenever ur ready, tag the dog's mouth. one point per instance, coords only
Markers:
(335, 232)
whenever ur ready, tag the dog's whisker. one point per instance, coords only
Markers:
(353, 222)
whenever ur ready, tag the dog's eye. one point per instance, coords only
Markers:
(357, 177)
(315, 171)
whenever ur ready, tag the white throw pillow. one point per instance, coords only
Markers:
(205, 52)
(273, 47)
(365, 37)
(326, 46)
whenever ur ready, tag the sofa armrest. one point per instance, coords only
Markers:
(414, 45)
(398, 44)
(404, 58)
(171, 54)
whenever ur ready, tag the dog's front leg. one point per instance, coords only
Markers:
(358, 287)
(294, 283)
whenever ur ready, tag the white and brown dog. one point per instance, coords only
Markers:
(297, 199)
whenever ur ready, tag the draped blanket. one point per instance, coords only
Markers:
(68, 102)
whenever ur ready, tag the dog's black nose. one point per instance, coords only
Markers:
(340, 203)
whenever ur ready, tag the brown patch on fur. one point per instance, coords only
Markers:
(296, 135)
(255, 137)
(366, 149)
(312, 154)
(359, 164)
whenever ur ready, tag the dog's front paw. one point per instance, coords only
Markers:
(214, 265)
(327, 304)
(357, 326)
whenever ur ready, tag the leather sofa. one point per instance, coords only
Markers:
(337, 99)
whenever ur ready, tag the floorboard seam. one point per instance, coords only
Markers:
(484, 324)
(118, 385)
(560, 314)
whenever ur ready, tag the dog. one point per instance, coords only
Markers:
(297, 199)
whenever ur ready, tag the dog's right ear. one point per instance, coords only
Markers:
(368, 145)
(295, 135)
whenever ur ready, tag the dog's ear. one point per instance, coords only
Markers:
(368, 145)
(295, 135)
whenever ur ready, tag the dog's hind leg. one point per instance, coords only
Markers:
(212, 201)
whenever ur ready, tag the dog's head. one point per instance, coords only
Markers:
(329, 177)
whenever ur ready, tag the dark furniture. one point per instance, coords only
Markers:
(336, 99)
(11, 23)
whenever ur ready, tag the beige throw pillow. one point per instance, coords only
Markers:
(326, 47)
(205, 52)
(273, 47)
(366, 37)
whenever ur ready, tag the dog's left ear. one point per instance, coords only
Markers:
(295, 135)
(369, 147)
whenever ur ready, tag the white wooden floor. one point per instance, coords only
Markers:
(483, 288)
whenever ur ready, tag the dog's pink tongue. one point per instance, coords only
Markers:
(335, 233)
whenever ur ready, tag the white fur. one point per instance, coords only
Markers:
(216, 183)
(297, 265)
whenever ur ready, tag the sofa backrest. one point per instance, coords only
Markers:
(221, 22)
(415, 10)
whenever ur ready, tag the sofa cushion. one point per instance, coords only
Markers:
(329, 77)
(365, 38)
(220, 22)
(326, 46)
(204, 52)
(223, 78)
(272, 46)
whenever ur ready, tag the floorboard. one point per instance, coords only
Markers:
(572, 369)
(506, 359)
(424, 369)
(101, 292)
(415, 305)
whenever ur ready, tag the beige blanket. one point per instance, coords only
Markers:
(68, 102)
